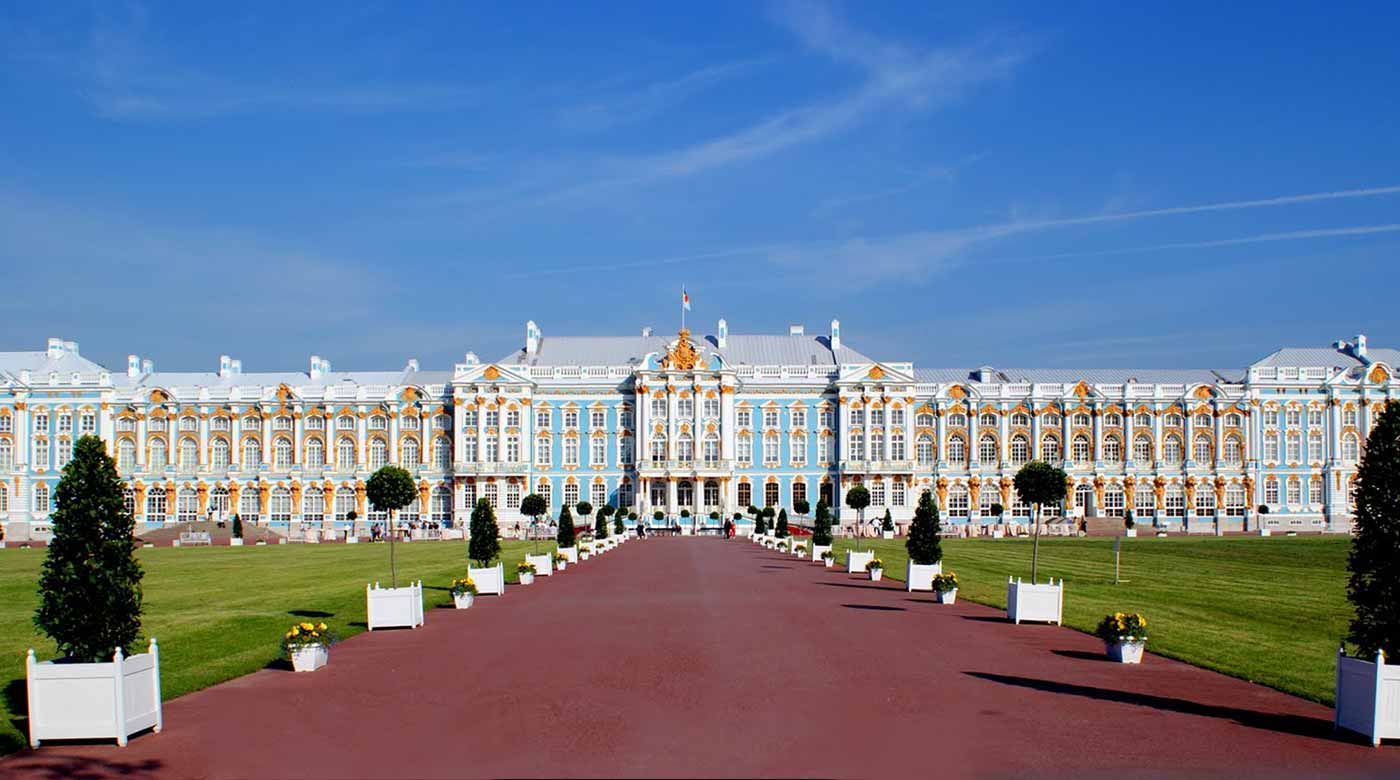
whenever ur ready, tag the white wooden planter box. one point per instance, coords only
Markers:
(1368, 697)
(463, 601)
(570, 552)
(544, 564)
(310, 658)
(110, 700)
(490, 581)
(887, 534)
(948, 596)
(1131, 533)
(817, 550)
(919, 576)
(1265, 532)
(1042, 603)
(876, 574)
(584, 554)
(394, 607)
(799, 551)
(235, 542)
(1125, 652)
(526, 577)
(855, 561)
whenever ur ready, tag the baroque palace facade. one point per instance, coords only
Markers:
(702, 424)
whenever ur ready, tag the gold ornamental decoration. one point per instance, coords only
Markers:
(683, 356)
(491, 373)
(1378, 374)
(875, 373)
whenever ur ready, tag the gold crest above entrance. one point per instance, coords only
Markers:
(683, 356)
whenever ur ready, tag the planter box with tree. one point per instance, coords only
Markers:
(858, 498)
(1028, 602)
(821, 532)
(887, 526)
(394, 607)
(566, 538)
(483, 547)
(1038, 483)
(90, 606)
(924, 545)
(1368, 689)
(390, 489)
(236, 539)
(856, 560)
(543, 563)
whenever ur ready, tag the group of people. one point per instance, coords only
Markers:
(377, 532)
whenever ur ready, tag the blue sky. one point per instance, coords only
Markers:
(1015, 184)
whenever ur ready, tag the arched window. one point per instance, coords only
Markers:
(1020, 450)
(1204, 450)
(155, 504)
(282, 453)
(345, 453)
(1315, 490)
(923, 420)
(441, 504)
(189, 455)
(958, 505)
(1351, 448)
(1142, 420)
(923, 449)
(1205, 501)
(1144, 504)
(685, 494)
(1081, 420)
(248, 503)
(378, 454)
(379, 423)
(1113, 419)
(4, 498)
(1113, 500)
(313, 505)
(345, 503)
(408, 452)
(1083, 496)
(988, 420)
(685, 449)
(1171, 450)
(799, 491)
(545, 491)
(1021, 420)
(315, 453)
(1142, 449)
(1112, 450)
(252, 453)
(743, 495)
(710, 448)
(279, 506)
(218, 454)
(987, 449)
(1079, 449)
(711, 492)
(442, 453)
(957, 420)
(157, 461)
(1051, 419)
(770, 494)
(658, 448)
(1049, 448)
(957, 450)
(1233, 451)
(1173, 420)
(41, 498)
(126, 455)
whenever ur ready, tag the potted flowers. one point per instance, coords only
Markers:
(525, 573)
(308, 645)
(876, 569)
(828, 558)
(799, 549)
(1123, 635)
(945, 584)
(463, 592)
(561, 561)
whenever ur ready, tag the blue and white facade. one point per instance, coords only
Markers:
(700, 425)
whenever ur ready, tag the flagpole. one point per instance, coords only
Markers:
(682, 307)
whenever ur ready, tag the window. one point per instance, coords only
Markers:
(155, 425)
(923, 450)
(87, 424)
(1079, 449)
(1050, 418)
(545, 491)
(469, 494)
(1049, 449)
(957, 450)
(315, 453)
(1315, 490)
(770, 418)
(877, 493)
(1314, 418)
(279, 423)
(279, 507)
(897, 493)
(597, 420)
(542, 419)
(897, 415)
(41, 498)
(512, 418)
(685, 448)
(157, 460)
(492, 419)
(744, 494)
(987, 421)
(345, 423)
(1293, 418)
(658, 408)
(857, 417)
(710, 450)
(1143, 502)
(826, 419)
(1203, 421)
(1203, 451)
(1314, 446)
(799, 417)
(440, 505)
(1171, 450)
(513, 495)
(570, 418)
(1143, 420)
(542, 451)
(252, 453)
(571, 451)
(923, 420)
(1293, 447)
(378, 454)
(1112, 450)
(958, 505)
(857, 446)
(1233, 453)
(599, 495)
(743, 418)
(1113, 419)
(770, 494)
(624, 447)
(1233, 420)
(799, 491)
(469, 421)
(1295, 491)
(469, 444)
(155, 503)
(570, 495)
(5, 498)
(987, 449)
(312, 424)
(1021, 420)
(1271, 447)
(956, 420)
(313, 505)
(624, 417)
(1271, 417)
(492, 453)
(124, 424)
(1351, 448)
(345, 504)
(1205, 501)
(41, 423)
(345, 453)
(1234, 500)
(248, 507)
(1173, 420)
(377, 423)
(625, 497)
(1271, 491)
(7, 423)
(685, 407)
(1081, 420)
(877, 417)
(598, 451)
(1113, 500)
(442, 452)
(826, 445)
(897, 446)
(281, 453)
(797, 445)
(64, 453)
(1020, 450)
(770, 449)
(1175, 501)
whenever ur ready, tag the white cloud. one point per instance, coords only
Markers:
(648, 100)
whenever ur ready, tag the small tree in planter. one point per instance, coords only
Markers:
(685, 515)
(858, 498)
(1039, 483)
(485, 542)
(887, 525)
(351, 516)
(90, 583)
(390, 489)
(658, 516)
(782, 527)
(565, 536)
(821, 526)
(533, 506)
(924, 543)
(997, 511)
(619, 525)
(1128, 522)
(600, 527)
(237, 527)
(584, 510)
(800, 507)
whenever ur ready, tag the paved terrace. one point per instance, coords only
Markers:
(704, 657)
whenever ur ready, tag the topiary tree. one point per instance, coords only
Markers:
(619, 523)
(821, 525)
(1039, 483)
(801, 507)
(858, 498)
(237, 527)
(600, 526)
(759, 527)
(485, 542)
(390, 489)
(658, 515)
(997, 510)
(90, 583)
(923, 542)
(584, 510)
(1374, 587)
(888, 523)
(533, 506)
(781, 531)
(565, 536)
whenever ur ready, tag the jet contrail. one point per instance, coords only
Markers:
(1295, 235)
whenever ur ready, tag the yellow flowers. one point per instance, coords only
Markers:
(1123, 626)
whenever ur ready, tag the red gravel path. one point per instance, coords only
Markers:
(710, 658)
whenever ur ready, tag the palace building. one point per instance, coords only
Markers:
(701, 425)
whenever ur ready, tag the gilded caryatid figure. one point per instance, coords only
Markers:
(683, 356)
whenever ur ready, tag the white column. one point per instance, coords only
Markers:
(726, 426)
(974, 458)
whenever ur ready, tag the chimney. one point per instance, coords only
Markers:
(471, 359)
(532, 338)
(148, 366)
(225, 365)
(1358, 347)
(835, 335)
(412, 365)
(133, 365)
(71, 347)
(316, 370)
(796, 330)
(646, 332)
(235, 367)
(55, 349)
(722, 339)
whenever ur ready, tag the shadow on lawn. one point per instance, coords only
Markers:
(17, 704)
(1298, 725)
(309, 613)
(50, 765)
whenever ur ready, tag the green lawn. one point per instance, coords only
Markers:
(1267, 610)
(219, 612)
